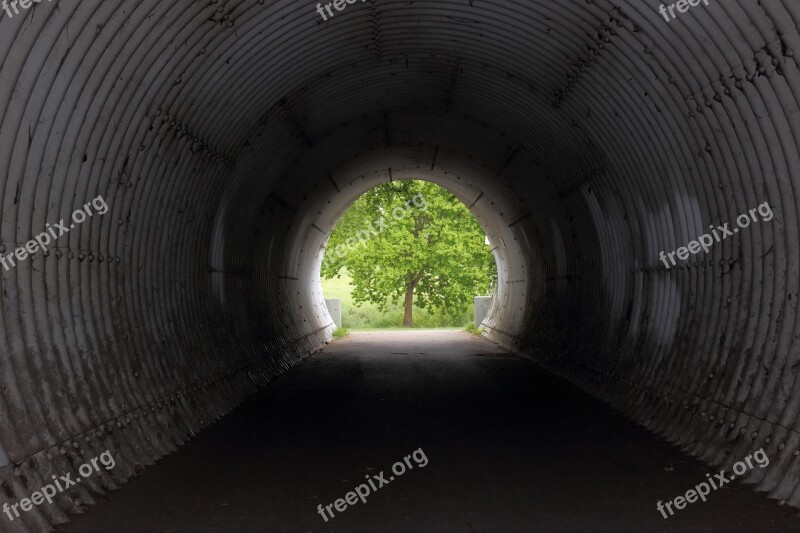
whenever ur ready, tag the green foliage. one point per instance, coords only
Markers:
(470, 328)
(408, 238)
(339, 333)
(368, 316)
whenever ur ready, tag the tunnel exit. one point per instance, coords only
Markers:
(407, 249)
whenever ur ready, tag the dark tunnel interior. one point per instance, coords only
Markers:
(226, 138)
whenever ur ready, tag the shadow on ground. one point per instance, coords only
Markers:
(509, 449)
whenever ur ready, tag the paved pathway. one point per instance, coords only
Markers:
(508, 448)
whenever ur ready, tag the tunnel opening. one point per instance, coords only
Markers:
(407, 248)
(482, 203)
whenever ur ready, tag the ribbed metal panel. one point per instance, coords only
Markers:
(227, 137)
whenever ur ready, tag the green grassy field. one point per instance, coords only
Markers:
(368, 316)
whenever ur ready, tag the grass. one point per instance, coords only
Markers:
(338, 287)
(403, 328)
(368, 316)
(470, 328)
(339, 333)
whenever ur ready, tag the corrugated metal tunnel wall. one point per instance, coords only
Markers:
(226, 137)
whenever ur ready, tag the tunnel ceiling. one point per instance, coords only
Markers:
(225, 136)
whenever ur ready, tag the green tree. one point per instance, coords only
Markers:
(411, 238)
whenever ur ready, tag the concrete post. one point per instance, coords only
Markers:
(482, 304)
(335, 309)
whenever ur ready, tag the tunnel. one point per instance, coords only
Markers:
(227, 137)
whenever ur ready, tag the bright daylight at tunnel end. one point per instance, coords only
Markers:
(172, 173)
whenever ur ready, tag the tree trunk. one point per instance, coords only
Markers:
(408, 305)
(408, 319)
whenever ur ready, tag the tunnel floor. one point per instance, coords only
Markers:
(508, 448)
